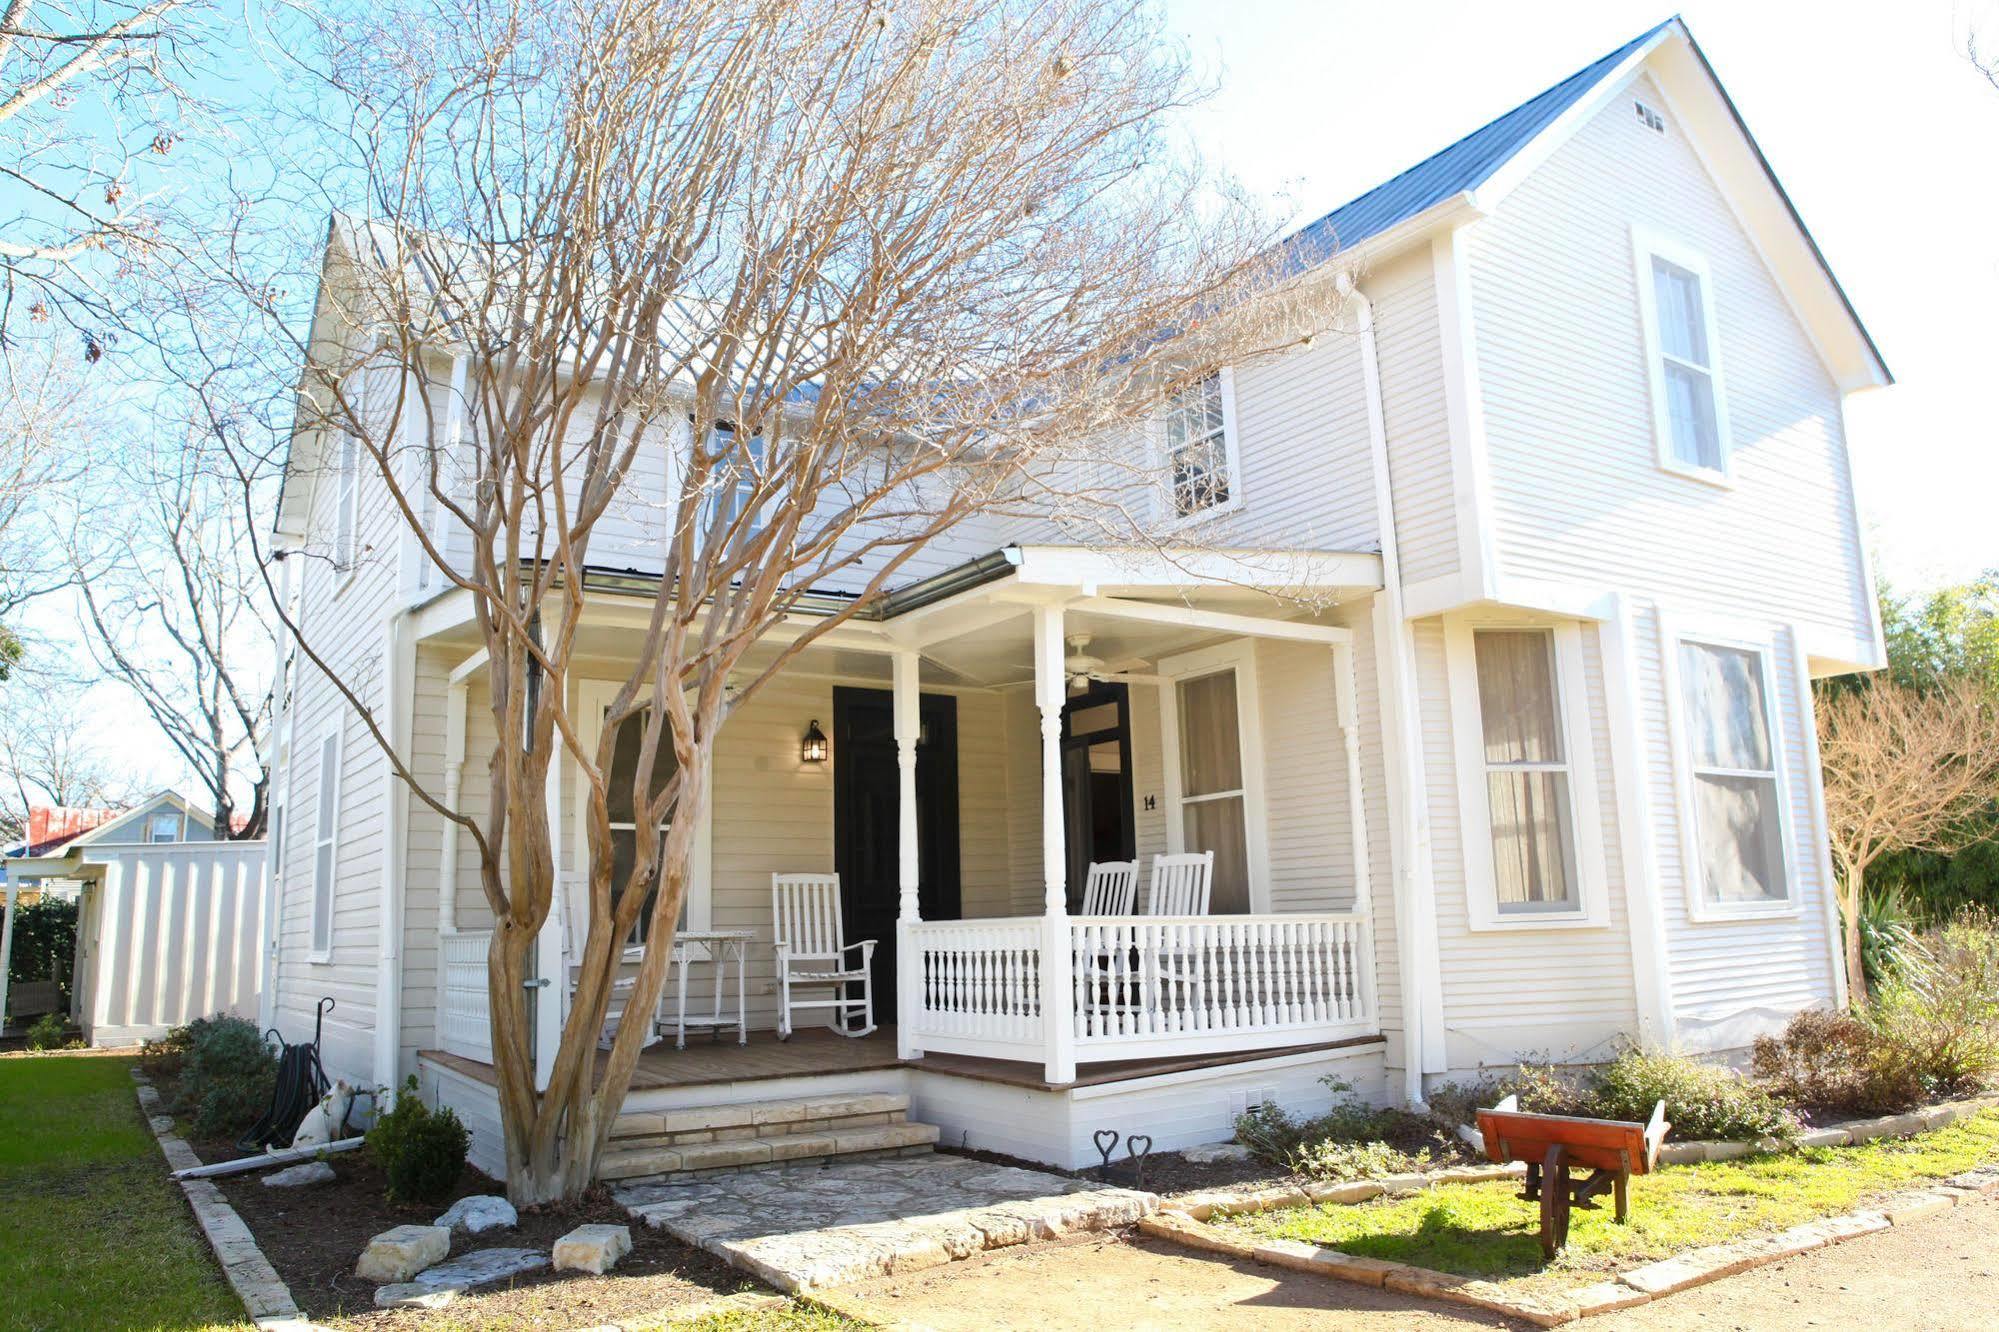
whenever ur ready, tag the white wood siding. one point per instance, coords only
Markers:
(1579, 496)
(1415, 416)
(1564, 994)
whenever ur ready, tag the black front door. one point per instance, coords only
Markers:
(1096, 782)
(866, 822)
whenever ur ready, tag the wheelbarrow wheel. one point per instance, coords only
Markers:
(1555, 1201)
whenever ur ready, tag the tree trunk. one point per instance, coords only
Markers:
(1856, 961)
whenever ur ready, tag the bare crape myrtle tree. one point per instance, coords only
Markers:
(845, 274)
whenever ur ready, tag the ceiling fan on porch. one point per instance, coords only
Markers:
(1084, 669)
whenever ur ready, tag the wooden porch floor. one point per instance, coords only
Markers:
(814, 1052)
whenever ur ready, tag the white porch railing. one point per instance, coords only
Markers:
(1082, 989)
(464, 1026)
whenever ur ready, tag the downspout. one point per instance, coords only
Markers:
(1408, 809)
(398, 677)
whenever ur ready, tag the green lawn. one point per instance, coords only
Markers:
(1485, 1230)
(92, 1232)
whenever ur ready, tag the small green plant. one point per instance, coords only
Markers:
(1887, 933)
(421, 1150)
(49, 1032)
(226, 1075)
(161, 1059)
(1352, 1140)
(1702, 1100)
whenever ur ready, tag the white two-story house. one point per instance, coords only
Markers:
(1571, 490)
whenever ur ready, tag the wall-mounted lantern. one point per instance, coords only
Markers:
(813, 748)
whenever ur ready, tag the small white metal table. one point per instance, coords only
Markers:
(721, 948)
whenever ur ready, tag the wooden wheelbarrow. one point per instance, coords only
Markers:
(1613, 1150)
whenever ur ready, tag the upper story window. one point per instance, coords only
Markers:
(1690, 413)
(1198, 441)
(346, 500)
(1733, 815)
(734, 482)
(1533, 843)
(165, 827)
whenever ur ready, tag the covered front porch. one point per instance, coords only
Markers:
(995, 730)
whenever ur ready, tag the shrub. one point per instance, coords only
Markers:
(1834, 1062)
(1543, 1089)
(44, 943)
(1940, 1009)
(421, 1150)
(1702, 1100)
(49, 1032)
(1352, 1140)
(161, 1059)
(1887, 933)
(226, 1075)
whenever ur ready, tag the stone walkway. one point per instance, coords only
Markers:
(809, 1226)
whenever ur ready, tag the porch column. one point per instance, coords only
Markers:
(1050, 691)
(1346, 703)
(7, 945)
(1058, 998)
(908, 719)
(551, 967)
(908, 725)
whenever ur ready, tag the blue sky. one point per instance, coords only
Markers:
(1879, 127)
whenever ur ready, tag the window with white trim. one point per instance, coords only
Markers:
(165, 827)
(1198, 444)
(621, 788)
(1527, 780)
(1732, 760)
(346, 498)
(1690, 413)
(325, 828)
(1533, 837)
(734, 481)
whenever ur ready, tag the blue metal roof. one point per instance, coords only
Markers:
(1465, 165)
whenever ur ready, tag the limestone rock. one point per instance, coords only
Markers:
(435, 1287)
(478, 1214)
(298, 1176)
(592, 1248)
(399, 1254)
(1210, 1152)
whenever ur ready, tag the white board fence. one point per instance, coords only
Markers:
(172, 931)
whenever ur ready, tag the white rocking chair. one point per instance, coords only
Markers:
(806, 910)
(1180, 886)
(1111, 889)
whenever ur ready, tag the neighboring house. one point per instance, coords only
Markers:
(169, 917)
(1543, 779)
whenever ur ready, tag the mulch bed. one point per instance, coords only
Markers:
(314, 1234)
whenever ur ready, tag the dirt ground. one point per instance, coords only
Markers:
(312, 1236)
(1937, 1275)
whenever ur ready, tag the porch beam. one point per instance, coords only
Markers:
(1249, 626)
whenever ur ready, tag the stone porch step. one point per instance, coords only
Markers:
(832, 1112)
(628, 1158)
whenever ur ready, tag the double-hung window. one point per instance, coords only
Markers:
(1526, 779)
(325, 828)
(621, 797)
(1690, 414)
(1736, 818)
(1199, 447)
(346, 514)
(733, 486)
(165, 827)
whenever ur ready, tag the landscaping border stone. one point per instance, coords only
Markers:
(257, 1284)
(1177, 1223)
